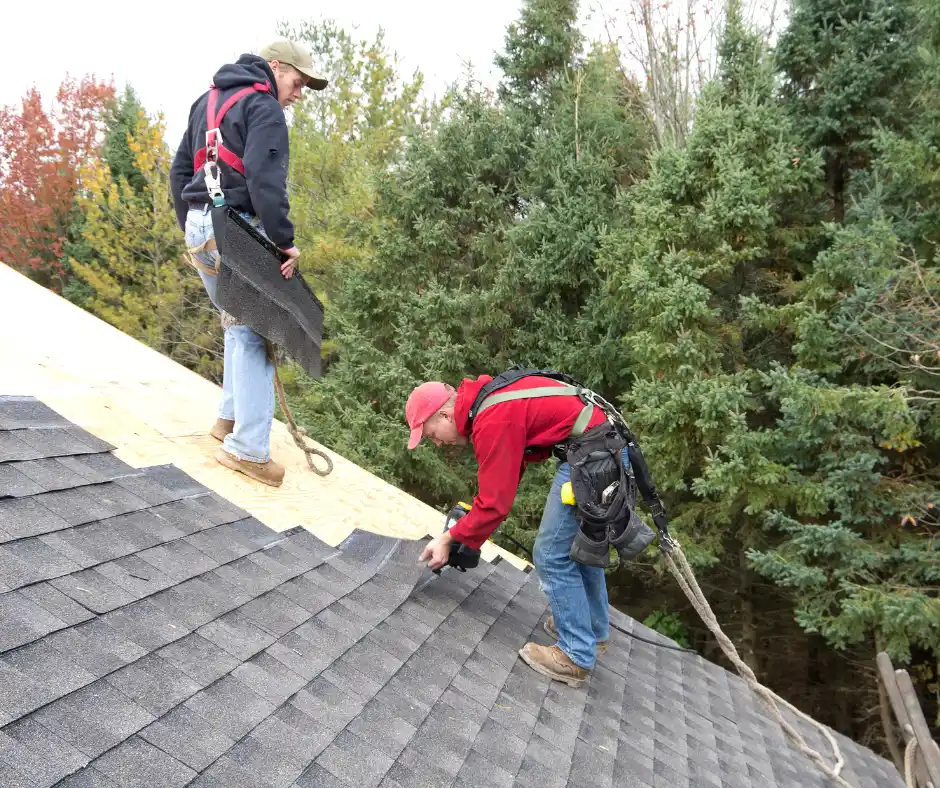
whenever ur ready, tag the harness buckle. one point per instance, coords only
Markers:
(213, 140)
(214, 183)
(211, 167)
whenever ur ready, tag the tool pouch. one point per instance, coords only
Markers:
(605, 495)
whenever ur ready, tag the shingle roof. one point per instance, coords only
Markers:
(152, 634)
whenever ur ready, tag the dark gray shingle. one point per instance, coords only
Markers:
(14, 484)
(93, 719)
(56, 473)
(160, 636)
(13, 448)
(22, 621)
(24, 517)
(136, 763)
(57, 442)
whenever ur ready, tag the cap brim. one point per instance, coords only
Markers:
(417, 433)
(313, 81)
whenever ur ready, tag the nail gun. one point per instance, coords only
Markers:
(461, 557)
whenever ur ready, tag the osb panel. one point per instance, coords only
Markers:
(157, 412)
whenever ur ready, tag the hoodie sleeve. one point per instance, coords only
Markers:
(181, 173)
(499, 446)
(266, 159)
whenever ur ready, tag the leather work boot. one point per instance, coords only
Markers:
(551, 661)
(221, 428)
(270, 472)
(549, 627)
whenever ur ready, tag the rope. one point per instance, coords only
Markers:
(679, 566)
(909, 751)
(297, 433)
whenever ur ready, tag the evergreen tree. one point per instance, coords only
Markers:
(846, 65)
(483, 253)
(120, 120)
(134, 269)
(539, 49)
(779, 458)
(340, 140)
(861, 320)
(707, 248)
(858, 550)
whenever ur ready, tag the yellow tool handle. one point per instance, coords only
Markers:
(567, 494)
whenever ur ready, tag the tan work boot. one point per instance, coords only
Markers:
(270, 472)
(551, 661)
(549, 627)
(221, 428)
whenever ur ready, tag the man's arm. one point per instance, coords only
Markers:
(266, 158)
(181, 173)
(499, 446)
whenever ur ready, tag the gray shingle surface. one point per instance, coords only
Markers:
(153, 634)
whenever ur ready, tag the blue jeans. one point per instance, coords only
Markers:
(577, 593)
(248, 374)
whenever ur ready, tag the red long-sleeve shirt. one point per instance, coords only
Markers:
(500, 435)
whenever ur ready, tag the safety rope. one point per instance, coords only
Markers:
(909, 751)
(299, 434)
(679, 566)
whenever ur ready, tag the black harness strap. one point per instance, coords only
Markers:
(644, 480)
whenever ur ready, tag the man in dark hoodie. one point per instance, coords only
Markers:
(247, 102)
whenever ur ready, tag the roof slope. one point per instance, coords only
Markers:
(155, 411)
(153, 634)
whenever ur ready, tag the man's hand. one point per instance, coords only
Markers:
(287, 269)
(437, 551)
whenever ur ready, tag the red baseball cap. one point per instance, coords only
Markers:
(423, 403)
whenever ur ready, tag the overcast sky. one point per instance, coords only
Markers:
(169, 57)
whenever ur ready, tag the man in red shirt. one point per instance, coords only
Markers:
(504, 436)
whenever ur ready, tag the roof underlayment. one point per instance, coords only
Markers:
(155, 411)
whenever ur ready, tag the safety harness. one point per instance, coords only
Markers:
(605, 491)
(214, 151)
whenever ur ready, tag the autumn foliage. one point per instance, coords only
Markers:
(41, 154)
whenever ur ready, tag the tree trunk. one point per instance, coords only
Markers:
(748, 644)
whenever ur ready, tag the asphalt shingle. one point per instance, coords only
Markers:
(153, 634)
(24, 412)
(135, 763)
(15, 484)
(56, 473)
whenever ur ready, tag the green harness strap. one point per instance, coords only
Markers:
(580, 424)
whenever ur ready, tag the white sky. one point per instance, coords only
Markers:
(169, 57)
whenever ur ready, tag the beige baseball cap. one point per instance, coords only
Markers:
(293, 54)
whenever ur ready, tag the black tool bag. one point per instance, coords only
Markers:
(605, 497)
(252, 289)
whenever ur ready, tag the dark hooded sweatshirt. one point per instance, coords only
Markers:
(255, 130)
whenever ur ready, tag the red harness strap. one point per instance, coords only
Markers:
(214, 122)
